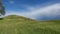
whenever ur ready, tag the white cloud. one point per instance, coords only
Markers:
(52, 10)
(11, 2)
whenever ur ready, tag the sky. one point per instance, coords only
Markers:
(35, 9)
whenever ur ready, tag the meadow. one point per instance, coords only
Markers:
(14, 24)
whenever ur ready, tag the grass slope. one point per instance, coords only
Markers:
(20, 25)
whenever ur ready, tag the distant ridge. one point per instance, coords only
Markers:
(17, 17)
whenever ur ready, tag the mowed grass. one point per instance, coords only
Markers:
(20, 25)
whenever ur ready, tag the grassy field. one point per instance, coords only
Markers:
(20, 25)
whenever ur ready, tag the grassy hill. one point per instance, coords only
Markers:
(14, 24)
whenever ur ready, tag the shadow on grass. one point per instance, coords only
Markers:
(1, 18)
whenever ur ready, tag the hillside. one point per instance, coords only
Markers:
(14, 24)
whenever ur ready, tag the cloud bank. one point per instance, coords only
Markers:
(50, 11)
(41, 13)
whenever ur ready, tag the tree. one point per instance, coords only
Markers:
(2, 9)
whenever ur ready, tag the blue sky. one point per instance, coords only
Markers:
(35, 9)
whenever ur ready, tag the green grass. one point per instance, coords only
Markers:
(20, 25)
